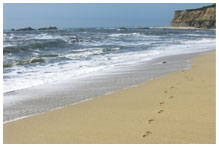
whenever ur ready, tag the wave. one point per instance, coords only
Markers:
(70, 53)
(23, 62)
(88, 52)
(45, 36)
(17, 49)
(50, 55)
(124, 34)
(91, 52)
(110, 49)
(40, 59)
(41, 36)
(67, 38)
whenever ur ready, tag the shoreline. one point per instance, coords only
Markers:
(182, 28)
(152, 116)
(41, 99)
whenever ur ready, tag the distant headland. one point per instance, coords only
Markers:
(204, 17)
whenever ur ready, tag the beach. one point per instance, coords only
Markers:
(48, 70)
(179, 107)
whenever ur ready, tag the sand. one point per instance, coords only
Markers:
(177, 108)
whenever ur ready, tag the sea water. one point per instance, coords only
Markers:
(33, 58)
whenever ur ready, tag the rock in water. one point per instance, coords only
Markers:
(25, 29)
(204, 17)
(49, 28)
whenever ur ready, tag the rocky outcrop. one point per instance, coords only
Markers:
(25, 29)
(49, 28)
(204, 17)
(31, 29)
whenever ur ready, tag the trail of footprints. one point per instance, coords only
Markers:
(170, 97)
(150, 121)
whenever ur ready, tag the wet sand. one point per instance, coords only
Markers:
(44, 98)
(177, 108)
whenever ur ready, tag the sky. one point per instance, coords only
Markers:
(72, 15)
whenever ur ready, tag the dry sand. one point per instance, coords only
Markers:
(177, 108)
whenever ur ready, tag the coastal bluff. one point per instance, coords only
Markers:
(204, 17)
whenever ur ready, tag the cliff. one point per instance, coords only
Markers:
(204, 17)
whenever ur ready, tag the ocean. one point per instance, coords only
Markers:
(33, 59)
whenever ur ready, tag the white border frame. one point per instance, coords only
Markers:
(93, 1)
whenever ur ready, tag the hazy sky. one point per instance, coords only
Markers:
(91, 15)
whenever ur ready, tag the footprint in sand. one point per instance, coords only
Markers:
(171, 87)
(160, 111)
(161, 103)
(150, 121)
(165, 91)
(146, 134)
(170, 97)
